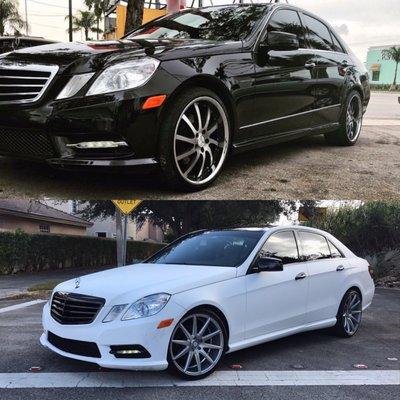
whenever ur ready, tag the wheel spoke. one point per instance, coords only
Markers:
(211, 130)
(187, 120)
(197, 108)
(181, 342)
(354, 306)
(204, 327)
(208, 117)
(198, 362)
(182, 353)
(203, 161)
(192, 165)
(187, 154)
(210, 335)
(207, 357)
(185, 331)
(185, 139)
(194, 328)
(211, 346)
(188, 360)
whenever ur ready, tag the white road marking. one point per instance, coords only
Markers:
(117, 379)
(21, 305)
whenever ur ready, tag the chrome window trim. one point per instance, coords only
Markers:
(53, 69)
(288, 116)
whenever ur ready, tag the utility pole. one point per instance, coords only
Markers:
(26, 18)
(71, 39)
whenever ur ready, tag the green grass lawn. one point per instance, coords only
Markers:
(48, 285)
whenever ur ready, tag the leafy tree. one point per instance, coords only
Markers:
(86, 21)
(100, 8)
(180, 217)
(9, 15)
(134, 15)
(393, 54)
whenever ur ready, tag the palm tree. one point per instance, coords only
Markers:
(86, 21)
(393, 54)
(100, 7)
(9, 15)
(134, 15)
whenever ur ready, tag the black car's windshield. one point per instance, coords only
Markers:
(222, 23)
(226, 248)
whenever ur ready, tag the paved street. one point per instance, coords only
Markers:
(308, 168)
(310, 365)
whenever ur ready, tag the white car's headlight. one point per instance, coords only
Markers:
(147, 306)
(125, 75)
(74, 85)
(114, 312)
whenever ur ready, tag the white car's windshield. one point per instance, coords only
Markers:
(226, 248)
(213, 23)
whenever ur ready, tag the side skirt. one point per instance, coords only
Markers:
(255, 143)
(326, 323)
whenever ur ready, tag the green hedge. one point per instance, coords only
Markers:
(20, 252)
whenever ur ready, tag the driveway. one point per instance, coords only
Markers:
(309, 365)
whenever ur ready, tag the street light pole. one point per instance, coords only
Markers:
(70, 22)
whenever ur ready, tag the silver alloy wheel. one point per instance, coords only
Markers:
(352, 311)
(354, 116)
(197, 344)
(201, 140)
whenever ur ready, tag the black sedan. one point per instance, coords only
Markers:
(183, 92)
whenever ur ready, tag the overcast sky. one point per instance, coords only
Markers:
(361, 23)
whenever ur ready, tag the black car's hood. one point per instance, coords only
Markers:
(92, 56)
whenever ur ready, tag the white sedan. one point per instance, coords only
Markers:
(209, 293)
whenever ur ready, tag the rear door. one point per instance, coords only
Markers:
(327, 270)
(277, 300)
(332, 66)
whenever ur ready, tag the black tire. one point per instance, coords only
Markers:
(339, 329)
(173, 369)
(340, 137)
(166, 149)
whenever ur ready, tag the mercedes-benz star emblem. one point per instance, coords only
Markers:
(77, 282)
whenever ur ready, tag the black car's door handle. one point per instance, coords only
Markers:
(344, 64)
(340, 268)
(301, 275)
(310, 65)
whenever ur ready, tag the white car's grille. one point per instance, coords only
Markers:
(24, 83)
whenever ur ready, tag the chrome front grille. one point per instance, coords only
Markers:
(20, 83)
(75, 309)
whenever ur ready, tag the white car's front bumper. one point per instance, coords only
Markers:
(142, 331)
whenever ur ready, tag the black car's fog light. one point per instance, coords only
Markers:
(105, 144)
(129, 351)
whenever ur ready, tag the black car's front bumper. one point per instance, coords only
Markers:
(45, 131)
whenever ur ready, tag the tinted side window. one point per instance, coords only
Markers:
(336, 45)
(314, 246)
(287, 21)
(335, 252)
(281, 245)
(318, 34)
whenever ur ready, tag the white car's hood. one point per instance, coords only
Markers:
(136, 281)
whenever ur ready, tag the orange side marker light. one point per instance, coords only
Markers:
(154, 102)
(165, 323)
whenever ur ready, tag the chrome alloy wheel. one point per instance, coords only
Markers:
(201, 140)
(197, 344)
(354, 118)
(352, 311)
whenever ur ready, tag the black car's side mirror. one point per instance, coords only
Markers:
(282, 41)
(267, 264)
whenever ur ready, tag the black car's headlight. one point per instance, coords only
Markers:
(124, 75)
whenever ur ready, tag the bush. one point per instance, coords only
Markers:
(23, 252)
(372, 228)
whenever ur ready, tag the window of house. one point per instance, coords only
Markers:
(101, 234)
(314, 246)
(376, 76)
(44, 228)
(287, 21)
(281, 245)
(318, 34)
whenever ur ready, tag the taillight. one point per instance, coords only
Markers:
(371, 271)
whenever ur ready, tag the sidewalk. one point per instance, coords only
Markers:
(13, 285)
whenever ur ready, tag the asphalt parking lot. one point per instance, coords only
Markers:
(313, 365)
(308, 168)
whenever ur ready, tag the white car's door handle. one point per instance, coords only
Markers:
(340, 268)
(301, 275)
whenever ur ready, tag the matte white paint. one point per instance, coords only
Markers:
(259, 307)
